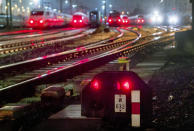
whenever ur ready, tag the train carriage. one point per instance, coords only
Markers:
(47, 18)
(79, 19)
(114, 19)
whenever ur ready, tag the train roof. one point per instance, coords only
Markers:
(79, 13)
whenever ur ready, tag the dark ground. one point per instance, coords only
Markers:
(173, 93)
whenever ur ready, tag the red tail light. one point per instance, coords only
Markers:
(95, 84)
(142, 21)
(138, 21)
(119, 20)
(80, 21)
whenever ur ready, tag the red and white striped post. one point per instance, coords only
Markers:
(135, 108)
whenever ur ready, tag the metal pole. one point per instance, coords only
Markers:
(10, 12)
(42, 3)
(7, 14)
(105, 8)
(192, 1)
(61, 5)
(70, 2)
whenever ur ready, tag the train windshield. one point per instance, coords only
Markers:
(37, 13)
(125, 17)
(114, 15)
(76, 17)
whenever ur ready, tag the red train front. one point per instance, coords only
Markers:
(45, 18)
(79, 20)
(140, 20)
(114, 19)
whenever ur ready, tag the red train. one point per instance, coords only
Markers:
(40, 18)
(80, 19)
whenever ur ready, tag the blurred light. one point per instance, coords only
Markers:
(103, 1)
(156, 12)
(41, 21)
(75, 21)
(95, 84)
(36, 1)
(118, 86)
(31, 21)
(74, 6)
(126, 85)
(110, 5)
(173, 19)
(66, 2)
(103, 7)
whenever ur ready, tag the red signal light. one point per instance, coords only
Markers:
(138, 21)
(126, 85)
(95, 84)
(118, 86)
(119, 20)
(80, 21)
(142, 21)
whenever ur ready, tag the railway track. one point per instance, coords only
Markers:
(21, 45)
(7, 36)
(67, 62)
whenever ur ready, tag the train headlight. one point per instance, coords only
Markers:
(31, 21)
(173, 19)
(41, 21)
(157, 19)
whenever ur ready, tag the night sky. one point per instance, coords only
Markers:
(121, 5)
(126, 5)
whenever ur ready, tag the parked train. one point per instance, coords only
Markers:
(79, 19)
(95, 19)
(137, 20)
(40, 18)
(125, 20)
(114, 19)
